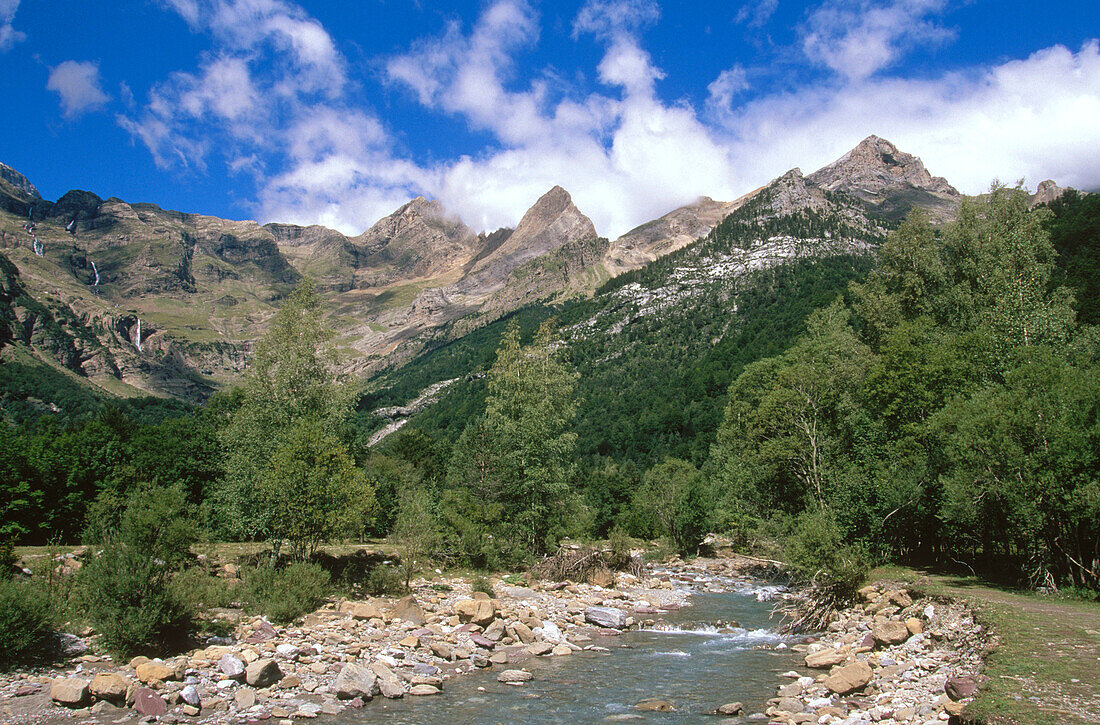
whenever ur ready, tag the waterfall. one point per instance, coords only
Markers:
(36, 247)
(96, 283)
(137, 338)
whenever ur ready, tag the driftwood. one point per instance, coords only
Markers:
(812, 608)
(584, 564)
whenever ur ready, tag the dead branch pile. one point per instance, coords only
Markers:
(584, 564)
(811, 609)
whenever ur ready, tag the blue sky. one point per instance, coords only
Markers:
(338, 112)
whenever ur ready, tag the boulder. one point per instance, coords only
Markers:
(442, 650)
(70, 691)
(263, 673)
(477, 611)
(655, 706)
(960, 688)
(366, 610)
(514, 676)
(286, 651)
(190, 695)
(407, 608)
(149, 704)
(391, 688)
(890, 632)
(495, 630)
(356, 680)
(424, 690)
(153, 672)
(232, 667)
(914, 625)
(109, 686)
(608, 617)
(849, 678)
(522, 632)
(540, 648)
(826, 658)
(730, 708)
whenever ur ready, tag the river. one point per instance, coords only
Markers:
(687, 661)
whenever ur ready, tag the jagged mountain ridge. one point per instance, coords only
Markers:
(204, 287)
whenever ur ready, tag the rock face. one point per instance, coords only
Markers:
(673, 231)
(891, 181)
(420, 240)
(1047, 192)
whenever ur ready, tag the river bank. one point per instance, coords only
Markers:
(349, 652)
(893, 658)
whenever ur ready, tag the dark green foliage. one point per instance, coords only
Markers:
(1074, 228)
(7, 558)
(481, 583)
(201, 590)
(284, 594)
(26, 627)
(818, 551)
(386, 581)
(127, 596)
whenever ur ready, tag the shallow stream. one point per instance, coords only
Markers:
(687, 661)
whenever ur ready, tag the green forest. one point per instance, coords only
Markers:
(934, 402)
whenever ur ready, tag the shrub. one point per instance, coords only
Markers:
(816, 552)
(386, 581)
(482, 584)
(285, 594)
(200, 590)
(7, 559)
(127, 596)
(26, 629)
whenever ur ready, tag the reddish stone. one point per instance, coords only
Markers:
(149, 703)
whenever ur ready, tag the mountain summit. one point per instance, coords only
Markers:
(890, 181)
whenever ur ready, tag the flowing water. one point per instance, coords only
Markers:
(696, 659)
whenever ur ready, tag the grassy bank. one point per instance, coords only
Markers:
(1045, 667)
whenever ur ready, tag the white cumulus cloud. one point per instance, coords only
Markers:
(9, 36)
(78, 86)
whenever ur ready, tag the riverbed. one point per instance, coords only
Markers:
(721, 649)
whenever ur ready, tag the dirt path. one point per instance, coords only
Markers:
(1046, 666)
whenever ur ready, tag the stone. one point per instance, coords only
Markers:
(602, 578)
(104, 708)
(109, 686)
(366, 610)
(139, 661)
(849, 678)
(477, 611)
(356, 680)
(480, 641)
(730, 708)
(561, 649)
(653, 705)
(190, 695)
(190, 710)
(495, 630)
(499, 658)
(914, 625)
(513, 676)
(607, 617)
(263, 673)
(424, 690)
(442, 650)
(149, 704)
(410, 641)
(286, 651)
(70, 691)
(245, 698)
(960, 688)
(153, 672)
(890, 632)
(407, 608)
(826, 658)
(390, 688)
(523, 633)
(540, 648)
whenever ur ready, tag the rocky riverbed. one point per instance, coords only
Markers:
(893, 658)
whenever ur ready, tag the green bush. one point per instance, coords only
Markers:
(386, 581)
(127, 596)
(7, 559)
(285, 594)
(26, 629)
(201, 590)
(816, 552)
(482, 584)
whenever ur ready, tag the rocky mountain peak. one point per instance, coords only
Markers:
(1047, 192)
(19, 181)
(553, 220)
(875, 167)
